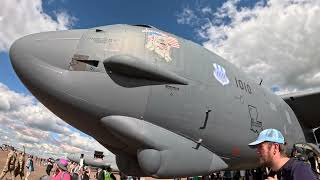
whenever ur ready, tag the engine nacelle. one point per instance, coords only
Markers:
(179, 163)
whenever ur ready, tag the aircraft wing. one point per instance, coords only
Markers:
(306, 107)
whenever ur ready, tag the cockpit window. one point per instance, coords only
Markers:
(83, 63)
(94, 63)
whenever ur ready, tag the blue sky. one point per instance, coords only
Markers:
(273, 40)
(161, 14)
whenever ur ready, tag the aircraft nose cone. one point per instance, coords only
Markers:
(18, 49)
(40, 59)
(44, 55)
(55, 48)
(20, 54)
(31, 70)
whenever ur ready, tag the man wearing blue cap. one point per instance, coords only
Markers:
(270, 147)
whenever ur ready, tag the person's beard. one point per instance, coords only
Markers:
(266, 160)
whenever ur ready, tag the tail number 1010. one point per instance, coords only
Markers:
(243, 86)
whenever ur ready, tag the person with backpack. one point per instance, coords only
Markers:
(61, 170)
(29, 166)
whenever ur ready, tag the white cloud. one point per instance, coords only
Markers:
(80, 142)
(40, 117)
(187, 16)
(28, 139)
(20, 17)
(206, 10)
(14, 100)
(71, 149)
(25, 109)
(277, 41)
(4, 104)
(26, 122)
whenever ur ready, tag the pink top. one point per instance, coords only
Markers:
(62, 175)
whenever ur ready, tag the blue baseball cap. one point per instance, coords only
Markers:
(270, 135)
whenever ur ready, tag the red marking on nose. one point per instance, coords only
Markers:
(235, 151)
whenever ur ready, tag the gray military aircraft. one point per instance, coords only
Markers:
(165, 106)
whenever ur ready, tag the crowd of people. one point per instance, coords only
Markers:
(65, 170)
(16, 165)
(270, 148)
